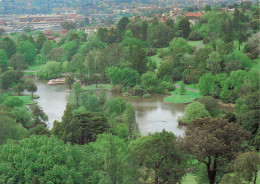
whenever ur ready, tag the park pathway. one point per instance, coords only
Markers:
(199, 46)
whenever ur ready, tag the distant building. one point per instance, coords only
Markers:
(88, 30)
(193, 16)
(201, 3)
(175, 12)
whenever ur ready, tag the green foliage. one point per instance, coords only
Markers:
(194, 111)
(22, 116)
(3, 60)
(160, 35)
(206, 84)
(182, 88)
(210, 103)
(113, 164)
(247, 165)
(127, 76)
(70, 49)
(9, 129)
(66, 163)
(80, 128)
(160, 153)
(13, 101)
(40, 41)
(51, 70)
(28, 50)
(212, 140)
(184, 26)
(115, 106)
(17, 61)
(179, 46)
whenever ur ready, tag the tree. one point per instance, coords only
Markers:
(28, 50)
(121, 25)
(10, 47)
(9, 77)
(206, 84)
(113, 160)
(69, 79)
(9, 129)
(160, 153)
(179, 46)
(71, 49)
(51, 70)
(40, 40)
(207, 8)
(182, 88)
(74, 97)
(247, 165)
(19, 88)
(210, 103)
(139, 59)
(240, 27)
(17, 61)
(46, 48)
(39, 117)
(56, 54)
(22, 116)
(211, 140)
(3, 61)
(214, 63)
(32, 88)
(194, 111)
(13, 101)
(184, 26)
(66, 163)
(131, 121)
(80, 128)
(160, 35)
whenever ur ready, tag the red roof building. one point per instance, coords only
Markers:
(193, 15)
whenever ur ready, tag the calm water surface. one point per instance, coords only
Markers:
(152, 114)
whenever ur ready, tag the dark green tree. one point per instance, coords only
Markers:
(160, 153)
(184, 26)
(211, 140)
(40, 40)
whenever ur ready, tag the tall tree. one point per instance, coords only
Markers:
(28, 50)
(40, 40)
(160, 153)
(3, 61)
(184, 26)
(247, 165)
(31, 87)
(210, 140)
(138, 59)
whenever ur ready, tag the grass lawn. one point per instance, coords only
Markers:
(189, 96)
(194, 43)
(189, 179)
(100, 86)
(32, 69)
(27, 99)
(189, 86)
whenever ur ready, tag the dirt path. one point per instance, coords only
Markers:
(199, 46)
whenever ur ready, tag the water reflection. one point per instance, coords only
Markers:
(152, 114)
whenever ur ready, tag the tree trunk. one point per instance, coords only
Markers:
(32, 95)
(255, 177)
(212, 172)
